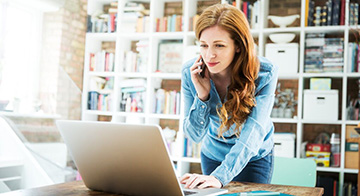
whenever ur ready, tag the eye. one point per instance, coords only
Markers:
(219, 45)
(203, 45)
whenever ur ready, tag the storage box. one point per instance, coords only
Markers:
(284, 145)
(352, 160)
(321, 105)
(322, 159)
(286, 56)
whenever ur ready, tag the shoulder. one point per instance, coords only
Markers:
(268, 73)
(266, 66)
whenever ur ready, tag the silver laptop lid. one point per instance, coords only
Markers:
(121, 158)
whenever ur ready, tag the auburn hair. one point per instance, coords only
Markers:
(244, 66)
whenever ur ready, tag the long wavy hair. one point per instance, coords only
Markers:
(244, 66)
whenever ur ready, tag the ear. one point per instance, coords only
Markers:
(237, 50)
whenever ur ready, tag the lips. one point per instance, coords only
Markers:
(211, 64)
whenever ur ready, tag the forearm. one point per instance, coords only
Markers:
(196, 121)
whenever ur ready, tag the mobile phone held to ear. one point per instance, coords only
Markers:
(202, 73)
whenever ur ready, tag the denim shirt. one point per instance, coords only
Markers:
(201, 123)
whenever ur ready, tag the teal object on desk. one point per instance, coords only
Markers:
(294, 172)
(257, 193)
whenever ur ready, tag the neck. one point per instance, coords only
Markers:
(224, 76)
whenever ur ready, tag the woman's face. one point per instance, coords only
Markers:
(217, 49)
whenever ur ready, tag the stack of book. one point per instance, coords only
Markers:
(314, 52)
(333, 50)
(132, 95)
(323, 54)
(329, 14)
(102, 61)
(353, 58)
(100, 93)
(191, 149)
(167, 102)
(103, 21)
(136, 17)
(137, 61)
(252, 13)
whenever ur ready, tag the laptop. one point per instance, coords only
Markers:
(127, 159)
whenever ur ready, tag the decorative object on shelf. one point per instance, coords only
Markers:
(282, 38)
(284, 104)
(170, 56)
(283, 21)
(320, 83)
(319, 150)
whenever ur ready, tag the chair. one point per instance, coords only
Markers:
(294, 171)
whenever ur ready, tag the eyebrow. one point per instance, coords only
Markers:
(216, 41)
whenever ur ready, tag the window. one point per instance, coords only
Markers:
(20, 49)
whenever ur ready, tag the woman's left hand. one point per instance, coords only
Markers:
(200, 181)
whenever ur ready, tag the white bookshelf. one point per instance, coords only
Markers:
(122, 40)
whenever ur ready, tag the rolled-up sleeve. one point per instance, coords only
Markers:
(196, 112)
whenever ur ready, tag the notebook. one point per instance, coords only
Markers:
(124, 158)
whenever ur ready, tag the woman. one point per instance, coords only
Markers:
(228, 94)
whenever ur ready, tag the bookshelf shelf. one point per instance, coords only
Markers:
(191, 160)
(288, 76)
(125, 41)
(328, 169)
(175, 76)
(352, 122)
(328, 29)
(338, 122)
(133, 75)
(282, 30)
(165, 116)
(284, 120)
(332, 75)
(101, 74)
(101, 36)
(351, 171)
(97, 112)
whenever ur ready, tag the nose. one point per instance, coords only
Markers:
(211, 53)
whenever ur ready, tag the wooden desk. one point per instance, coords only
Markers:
(78, 188)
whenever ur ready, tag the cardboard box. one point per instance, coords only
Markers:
(350, 132)
(318, 147)
(351, 160)
(322, 159)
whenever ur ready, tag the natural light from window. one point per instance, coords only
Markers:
(20, 63)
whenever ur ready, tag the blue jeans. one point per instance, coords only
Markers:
(259, 171)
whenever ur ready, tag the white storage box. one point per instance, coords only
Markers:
(285, 56)
(321, 105)
(284, 145)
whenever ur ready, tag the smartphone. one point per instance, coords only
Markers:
(202, 73)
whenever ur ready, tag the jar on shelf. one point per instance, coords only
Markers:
(335, 150)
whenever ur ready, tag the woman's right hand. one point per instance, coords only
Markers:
(202, 84)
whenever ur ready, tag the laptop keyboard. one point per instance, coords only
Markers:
(189, 192)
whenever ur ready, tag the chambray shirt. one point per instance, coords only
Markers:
(201, 123)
